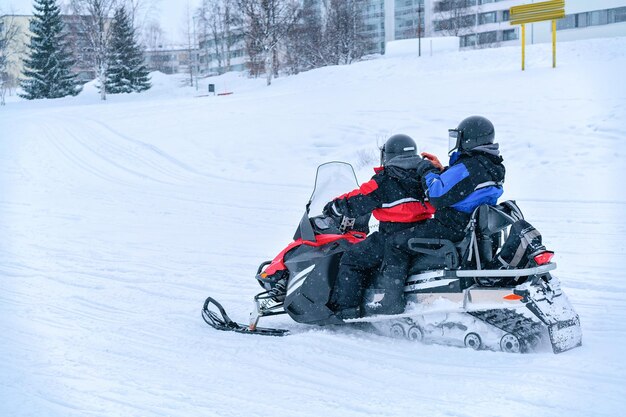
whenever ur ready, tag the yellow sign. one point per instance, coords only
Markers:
(538, 12)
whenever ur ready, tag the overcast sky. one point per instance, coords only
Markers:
(170, 13)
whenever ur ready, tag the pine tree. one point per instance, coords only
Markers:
(126, 70)
(48, 67)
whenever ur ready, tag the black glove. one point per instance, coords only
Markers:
(331, 210)
(424, 166)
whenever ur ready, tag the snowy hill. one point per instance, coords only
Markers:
(118, 219)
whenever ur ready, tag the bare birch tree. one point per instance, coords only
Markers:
(304, 44)
(189, 31)
(141, 12)
(96, 18)
(266, 23)
(153, 35)
(344, 24)
(218, 22)
(9, 32)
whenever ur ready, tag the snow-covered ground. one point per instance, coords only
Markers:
(117, 219)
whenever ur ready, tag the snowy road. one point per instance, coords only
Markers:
(119, 219)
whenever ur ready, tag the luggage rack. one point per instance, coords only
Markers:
(538, 270)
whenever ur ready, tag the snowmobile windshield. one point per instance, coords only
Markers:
(332, 180)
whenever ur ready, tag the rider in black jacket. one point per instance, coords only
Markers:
(395, 196)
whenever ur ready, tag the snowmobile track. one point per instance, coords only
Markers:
(527, 331)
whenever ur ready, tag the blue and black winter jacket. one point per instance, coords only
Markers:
(472, 178)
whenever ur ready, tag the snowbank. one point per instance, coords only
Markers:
(429, 46)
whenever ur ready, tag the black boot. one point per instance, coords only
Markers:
(349, 313)
(383, 301)
(345, 313)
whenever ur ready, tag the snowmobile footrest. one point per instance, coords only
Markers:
(219, 320)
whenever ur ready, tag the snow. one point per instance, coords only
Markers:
(430, 46)
(118, 218)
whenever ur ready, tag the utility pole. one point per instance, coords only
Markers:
(419, 27)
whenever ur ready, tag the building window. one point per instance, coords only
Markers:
(447, 5)
(617, 15)
(485, 18)
(488, 37)
(485, 1)
(509, 35)
(455, 23)
(506, 15)
(568, 22)
(599, 17)
(468, 40)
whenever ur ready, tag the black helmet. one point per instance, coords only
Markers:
(395, 146)
(471, 132)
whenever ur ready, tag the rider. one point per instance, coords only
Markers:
(396, 198)
(474, 177)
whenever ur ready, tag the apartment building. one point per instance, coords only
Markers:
(374, 26)
(485, 23)
(214, 57)
(389, 20)
(172, 59)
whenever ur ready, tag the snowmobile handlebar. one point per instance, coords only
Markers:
(263, 265)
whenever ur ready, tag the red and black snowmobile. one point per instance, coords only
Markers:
(451, 298)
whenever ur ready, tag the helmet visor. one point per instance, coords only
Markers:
(454, 137)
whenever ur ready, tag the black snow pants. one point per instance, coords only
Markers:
(356, 268)
(359, 267)
(398, 258)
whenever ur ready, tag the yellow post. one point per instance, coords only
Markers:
(523, 44)
(537, 12)
(554, 43)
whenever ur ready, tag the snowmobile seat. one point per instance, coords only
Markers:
(483, 238)
(435, 254)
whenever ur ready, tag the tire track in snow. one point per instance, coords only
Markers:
(114, 153)
(150, 149)
(105, 147)
(60, 143)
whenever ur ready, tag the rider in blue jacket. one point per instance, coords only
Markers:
(474, 177)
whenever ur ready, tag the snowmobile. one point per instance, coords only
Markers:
(452, 298)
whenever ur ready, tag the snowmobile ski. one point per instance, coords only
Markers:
(219, 320)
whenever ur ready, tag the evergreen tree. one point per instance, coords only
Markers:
(126, 70)
(48, 67)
